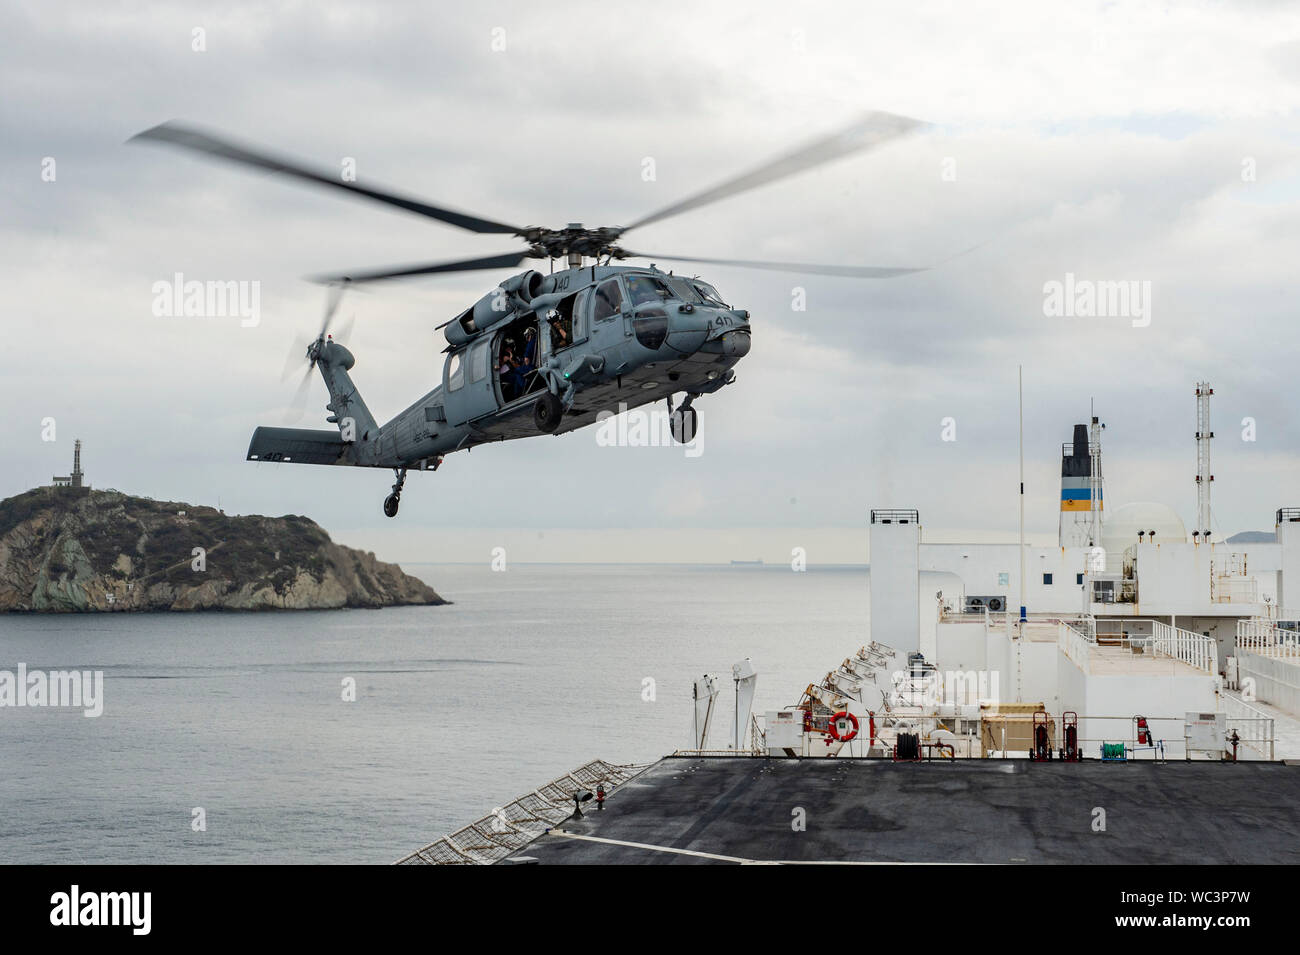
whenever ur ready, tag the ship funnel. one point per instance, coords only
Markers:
(1081, 488)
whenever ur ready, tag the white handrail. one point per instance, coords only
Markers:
(1194, 649)
(1263, 637)
(1074, 645)
(1255, 729)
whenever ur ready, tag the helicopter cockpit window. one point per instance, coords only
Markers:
(609, 301)
(455, 372)
(685, 291)
(709, 293)
(644, 289)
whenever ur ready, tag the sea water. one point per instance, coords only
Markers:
(361, 735)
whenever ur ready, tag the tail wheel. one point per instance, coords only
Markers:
(547, 412)
(390, 505)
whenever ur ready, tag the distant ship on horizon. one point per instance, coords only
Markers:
(746, 563)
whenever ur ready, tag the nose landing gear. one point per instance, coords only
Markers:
(393, 500)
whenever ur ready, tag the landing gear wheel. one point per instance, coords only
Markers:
(685, 423)
(393, 500)
(547, 413)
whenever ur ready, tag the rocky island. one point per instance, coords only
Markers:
(75, 550)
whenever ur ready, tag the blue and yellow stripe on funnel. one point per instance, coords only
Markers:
(1076, 495)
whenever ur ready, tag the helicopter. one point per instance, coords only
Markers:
(540, 353)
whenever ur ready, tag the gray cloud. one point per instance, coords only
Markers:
(1098, 141)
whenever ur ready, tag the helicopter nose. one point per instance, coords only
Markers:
(736, 343)
(687, 331)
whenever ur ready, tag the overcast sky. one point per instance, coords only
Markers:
(1116, 142)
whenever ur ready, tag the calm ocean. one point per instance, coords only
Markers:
(530, 673)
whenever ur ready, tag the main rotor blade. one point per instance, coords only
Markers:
(505, 261)
(872, 130)
(808, 268)
(332, 299)
(187, 137)
(345, 332)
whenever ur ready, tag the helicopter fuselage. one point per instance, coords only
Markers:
(579, 342)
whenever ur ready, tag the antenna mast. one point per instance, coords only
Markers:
(1203, 475)
(1094, 479)
(1020, 395)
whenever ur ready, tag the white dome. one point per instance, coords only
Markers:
(1121, 527)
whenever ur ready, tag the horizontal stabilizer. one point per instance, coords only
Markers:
(298, 446)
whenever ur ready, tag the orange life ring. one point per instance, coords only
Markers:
(843, 715)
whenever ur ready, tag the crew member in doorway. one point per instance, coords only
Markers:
(509, 374)
(558, 338)
(524, 370)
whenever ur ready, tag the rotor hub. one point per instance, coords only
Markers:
(574, 239)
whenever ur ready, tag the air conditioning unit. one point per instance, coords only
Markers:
(994, 604)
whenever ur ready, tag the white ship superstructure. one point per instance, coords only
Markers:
(1131, 631)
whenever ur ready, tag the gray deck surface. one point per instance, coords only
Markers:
(985, 811)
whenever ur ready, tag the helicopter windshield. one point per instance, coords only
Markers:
(685, 291)
(708, 293)
(642, 289)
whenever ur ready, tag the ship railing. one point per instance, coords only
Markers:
(956, 614)
(1255, 729)
(757, 743)
(1144, 737)
(1166, 737)
(1267, 639)
(1002, 739)
(1084, 623)
(1194, 649)
(1077, 646)
(717, 752)
(1129, 633)
(1134, 633)
(509, 828)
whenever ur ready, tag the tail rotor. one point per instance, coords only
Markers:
(310, 349)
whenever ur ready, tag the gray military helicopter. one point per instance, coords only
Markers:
(540, 353)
